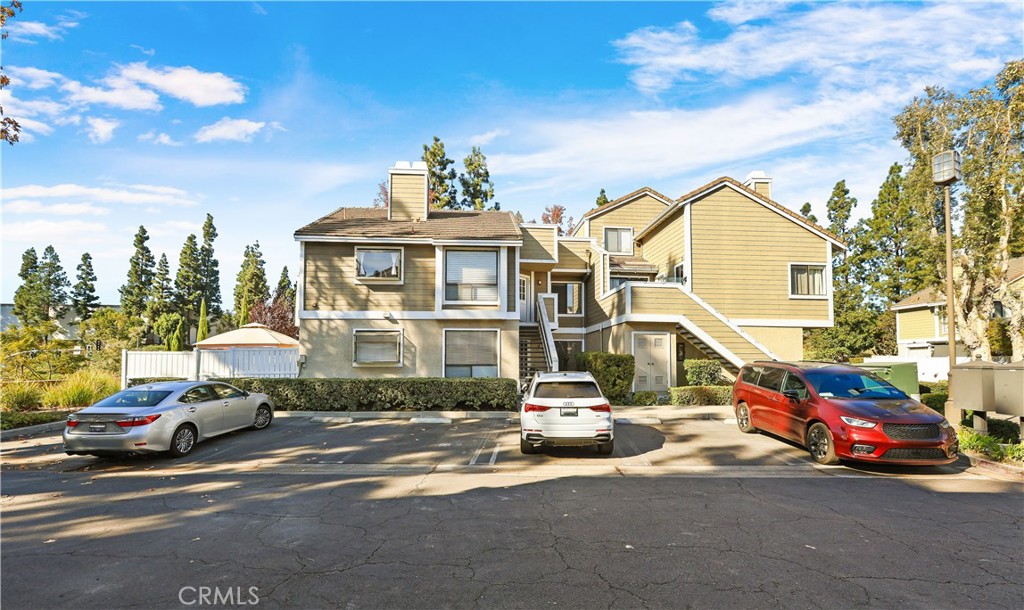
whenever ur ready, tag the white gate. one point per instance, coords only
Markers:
(206, 364)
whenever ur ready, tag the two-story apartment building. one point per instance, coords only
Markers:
(722, 272)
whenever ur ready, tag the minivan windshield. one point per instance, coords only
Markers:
(830, 384)
(567, 389)
(134, 399)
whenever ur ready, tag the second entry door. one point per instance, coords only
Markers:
(651, 353)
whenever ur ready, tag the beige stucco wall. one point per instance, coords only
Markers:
(327, 345)
(408, 196)
(636, 214)
(330, 281)
(785, 342)
(916, 324)
(741, 256)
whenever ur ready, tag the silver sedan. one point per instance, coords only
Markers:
(169, 416)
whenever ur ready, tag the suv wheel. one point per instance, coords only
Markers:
(606, 448)
(527, 448)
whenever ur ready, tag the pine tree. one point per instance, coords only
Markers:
(30, 298)
(440, 176)
(135, 292)
(204, 324)
(243, 311)
(209, 268)
(477, 189)
(251, 282)
(56, 283)
(602, 198)
(161, 294)
(188, 283)
(805, 211)
(178, 341)
(519, 217)
(83, 295)
(285, 288)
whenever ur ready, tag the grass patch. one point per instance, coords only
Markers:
(81, 389)
(20, 397)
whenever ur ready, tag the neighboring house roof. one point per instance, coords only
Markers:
(250, 335)
(439, 225)
(631, 263)
(932, 296)
(625, 199)
(726, 181)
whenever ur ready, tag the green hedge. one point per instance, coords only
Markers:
(613, 372)
(645, 399)
(9, 419)
(928, 387)
(936, 401)
(391, 394)
(20, 396)
(703, 372)
(691, 395)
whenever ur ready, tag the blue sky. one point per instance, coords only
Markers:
(269, 115)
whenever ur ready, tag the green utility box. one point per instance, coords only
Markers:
(903, 375)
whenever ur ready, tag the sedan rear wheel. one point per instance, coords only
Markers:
(743, 419)
(264, 415)
(183, 441)
(819, 443)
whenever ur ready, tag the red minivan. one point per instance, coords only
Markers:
(841, 412)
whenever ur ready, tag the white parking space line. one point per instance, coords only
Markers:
(480, 449)
(637, 459)
(494, 454)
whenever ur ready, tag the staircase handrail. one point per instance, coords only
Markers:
(547, 341)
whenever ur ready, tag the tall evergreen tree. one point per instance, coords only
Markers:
(161, 294)
(204, 323)
(251, 283)
(441, 176)
(602, 199)
(285, 289)
(188, 283)
(805, 211)
(83, 295)
(477, 188)
(209, 268)
(30, 298)
(135, 291)
(56, 283)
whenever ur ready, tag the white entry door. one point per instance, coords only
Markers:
(525, 307)
(651, 351)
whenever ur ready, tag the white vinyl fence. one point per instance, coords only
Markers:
(206, 364)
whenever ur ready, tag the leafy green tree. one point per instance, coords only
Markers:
(188, 283)
(166, 327)
(108, 332)
(204, 324)
(602, 199)
(440, 175)
(30, 352)
(251, 283)
(209, 268)
(30, 297)
(135, 291)
(9, 127)
(477, 188)
(161, 295)
(805, 211)
(83, 295)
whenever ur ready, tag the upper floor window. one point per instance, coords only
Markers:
(569, 303)
(806, 280)
(379, 264)
(471, 276)
(618, 240)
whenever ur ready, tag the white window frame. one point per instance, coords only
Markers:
(444, 349)
(401, 347)
(400, 280)
(824, 281)
(629, 242)
(579, 296)
(941, 322)
(679, 273)
(497, 276)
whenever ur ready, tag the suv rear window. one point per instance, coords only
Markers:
(771, 378)
(567, 389)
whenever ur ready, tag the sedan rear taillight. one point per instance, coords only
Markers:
(131, 422)
(72, 422)
(532, 408)
(605, 408)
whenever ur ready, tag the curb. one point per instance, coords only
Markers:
(999, 468)
(16, 433)
(353, 415)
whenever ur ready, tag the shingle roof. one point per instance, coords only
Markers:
(440, 224)
(634, 194)
(631, 263)
(935, 296)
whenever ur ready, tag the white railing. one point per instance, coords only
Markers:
(546, 338)
(206, 364)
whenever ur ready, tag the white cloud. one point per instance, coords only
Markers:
(100, 130)
(158, 138)
(259, 10)
(119, 94)
(62, 232)
(29, 31)
(227, 129)
(486, 138)
(177, 229)
(131, 194)
(27, 206)
(745, 11)
(143, 50)
(186, 83)
(32, 78)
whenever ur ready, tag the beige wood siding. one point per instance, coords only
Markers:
(538, 243)
(572, 254)
(786, 342)
(330, 281)
(570, 321)
(636, 214)
(665, 246)
(408, 196)
(916, 324)
(741, 256)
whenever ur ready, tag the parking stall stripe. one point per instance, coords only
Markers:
(480, 449)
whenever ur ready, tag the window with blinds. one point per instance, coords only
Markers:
(379, 263)
(378, 347)
(618, 241)
(471, 353)
(807, 280)
(471, 276)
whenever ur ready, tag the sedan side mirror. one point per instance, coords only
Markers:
(792, 394)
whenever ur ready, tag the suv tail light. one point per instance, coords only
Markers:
(605, 408)
(532, 408)
(131, 422)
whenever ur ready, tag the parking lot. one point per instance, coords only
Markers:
(428, 513)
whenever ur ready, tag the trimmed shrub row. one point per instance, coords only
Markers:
(703, 372)
(613, 372)
(391, 394)
(11, 419)
(645, 399)
(701, 395)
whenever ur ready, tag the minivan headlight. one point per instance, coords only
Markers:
(944, 424)
(858, 423)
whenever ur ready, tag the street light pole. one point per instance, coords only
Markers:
(946, 171)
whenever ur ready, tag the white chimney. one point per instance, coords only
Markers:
(759, 182)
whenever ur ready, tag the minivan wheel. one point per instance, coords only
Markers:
(183, 441)
(819, 443)
(606, 448)
(743, 419)
(527, 448)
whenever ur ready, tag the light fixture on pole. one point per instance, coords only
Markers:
(946, 171)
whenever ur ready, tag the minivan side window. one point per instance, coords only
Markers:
(795, 384)
(771, 378)
(749, 375)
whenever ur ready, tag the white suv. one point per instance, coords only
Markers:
(567, 410)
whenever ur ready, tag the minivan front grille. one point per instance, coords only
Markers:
(928, 453)
(911, 432)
